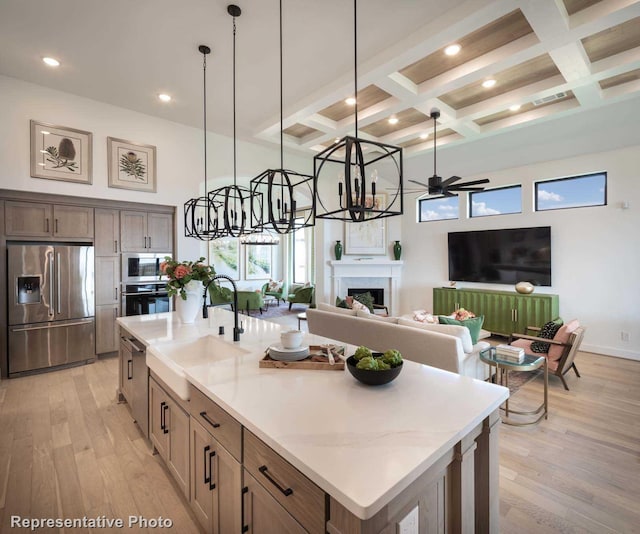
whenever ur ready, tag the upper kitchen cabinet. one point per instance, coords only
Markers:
(35, 219)
(142, 231)
(107, 232)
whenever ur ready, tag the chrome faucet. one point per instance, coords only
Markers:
(237, 330)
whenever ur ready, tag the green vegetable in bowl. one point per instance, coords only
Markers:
(362, 352)
(392, 357)
(382, 366)
(369, 363)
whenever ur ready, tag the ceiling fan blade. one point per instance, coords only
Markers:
(476, 182)
(450, 180)
(419, 183)
(448, 194)
(462, 187)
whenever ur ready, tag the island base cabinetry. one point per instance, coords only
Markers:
(169, 432)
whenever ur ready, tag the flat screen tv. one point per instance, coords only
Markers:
(504, 256)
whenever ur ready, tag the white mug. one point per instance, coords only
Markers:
(291, 339)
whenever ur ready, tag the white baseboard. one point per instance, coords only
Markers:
(611, 351)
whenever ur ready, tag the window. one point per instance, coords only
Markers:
(302, 244)
(437, 209)
(572, 192)
(499, 201)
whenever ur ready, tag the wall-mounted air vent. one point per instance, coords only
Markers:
(550, 98)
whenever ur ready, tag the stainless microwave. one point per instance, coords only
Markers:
(142, 267)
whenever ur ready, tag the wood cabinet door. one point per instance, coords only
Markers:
(158, 409)
(107, 280)
(177, 423)
(72, 221)
(107, 232)
(126, 372)
(28, 219)
(201, 446)
(159, 232)
(107, 337)
(263, 514)
(133, 231)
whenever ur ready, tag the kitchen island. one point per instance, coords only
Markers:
(421, 450)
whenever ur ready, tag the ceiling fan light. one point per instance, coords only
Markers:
(452, 49)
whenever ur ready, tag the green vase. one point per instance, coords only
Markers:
(397, 250)
(338, 250)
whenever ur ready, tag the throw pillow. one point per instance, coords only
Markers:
(548, 331)
(359, 307)
(366, 299)
(341, 303)
(474, 325)
(275, 286)
(422, 316)
(306, 285)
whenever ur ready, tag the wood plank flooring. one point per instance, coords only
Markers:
(68, 449)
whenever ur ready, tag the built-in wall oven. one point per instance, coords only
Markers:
(143, 288)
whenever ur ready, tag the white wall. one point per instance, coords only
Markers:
(595, 251)
(180, 163)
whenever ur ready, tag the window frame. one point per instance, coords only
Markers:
(470, 201)
(439, 197)
(537, 183)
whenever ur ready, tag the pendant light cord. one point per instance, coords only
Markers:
(234, 102)
(281, 98)
(355, 61)
(204, 100)
(434, 146)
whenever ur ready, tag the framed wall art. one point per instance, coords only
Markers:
(259, 262)
(131, 165)
(367, 237)
(225, 257)
(61, 153)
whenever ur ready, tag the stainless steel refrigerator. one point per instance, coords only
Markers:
(51, 305)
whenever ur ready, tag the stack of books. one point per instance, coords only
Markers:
(510, 353)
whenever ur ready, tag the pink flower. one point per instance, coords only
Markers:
(181, 271)
(163, 267)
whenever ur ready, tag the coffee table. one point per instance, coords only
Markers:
(268, 300)
(530, 363)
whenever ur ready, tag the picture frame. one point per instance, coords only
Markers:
(258, 262)
(61, 153)
(131, 165)
(225, 257)
(369, 237)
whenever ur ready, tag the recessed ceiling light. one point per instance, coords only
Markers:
(515, 107)
(393, 119)
(424, 135)
(164, 97)
(488, 84)
(453, 49)
(52, 62)
(351, 101)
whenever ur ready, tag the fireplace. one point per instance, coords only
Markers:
(376, 293)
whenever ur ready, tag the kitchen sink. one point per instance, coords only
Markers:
(169, 360)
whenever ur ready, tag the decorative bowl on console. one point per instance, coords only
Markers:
(524, 287)
(372, 378)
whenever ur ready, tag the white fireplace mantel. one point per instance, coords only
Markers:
(367, 268)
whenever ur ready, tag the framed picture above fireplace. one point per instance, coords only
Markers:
(367, 238)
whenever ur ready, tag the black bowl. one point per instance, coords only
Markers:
(372, 378)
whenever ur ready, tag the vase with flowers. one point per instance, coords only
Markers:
(185, 278)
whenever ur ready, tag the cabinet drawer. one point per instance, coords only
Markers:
(218, 423)
(295, 492)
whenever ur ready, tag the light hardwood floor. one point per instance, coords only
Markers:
(68, 449)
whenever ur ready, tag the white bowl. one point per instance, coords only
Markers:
(291, 339)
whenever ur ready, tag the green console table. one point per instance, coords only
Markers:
(505, 312)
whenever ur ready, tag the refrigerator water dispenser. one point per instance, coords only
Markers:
(29, 289)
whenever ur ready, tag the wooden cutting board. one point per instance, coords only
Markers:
(317, 361)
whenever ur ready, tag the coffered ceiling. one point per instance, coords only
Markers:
(549, 59)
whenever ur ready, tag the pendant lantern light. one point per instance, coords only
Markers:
(346, 173)
(288, 196)
(201, 214)
(233, 202)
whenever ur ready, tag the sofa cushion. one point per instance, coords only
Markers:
(473, 324)
(452, 330)
(327, 307)
(369, 315)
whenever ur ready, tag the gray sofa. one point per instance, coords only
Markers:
(446, 347)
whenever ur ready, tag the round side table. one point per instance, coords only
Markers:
(301, 317)
(502, 367)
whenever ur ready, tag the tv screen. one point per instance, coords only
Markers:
(501, 256)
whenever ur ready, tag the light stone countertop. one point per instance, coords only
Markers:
(363, 445)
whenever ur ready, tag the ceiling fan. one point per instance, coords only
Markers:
(436, 185)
